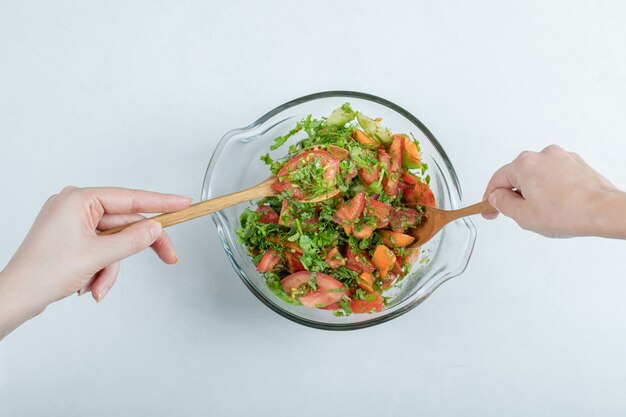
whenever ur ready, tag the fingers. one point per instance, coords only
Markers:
(507, 202)
(123, 200)
(132, 240)
(163, 246)
(505, 177)
(104, 281)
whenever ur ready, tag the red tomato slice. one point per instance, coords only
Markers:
(279, 187)
(358, 262)
(326, 160)
(369, 175)
(268, 214)
(350, 211)
(380, 210)
(334, 258)
(268, 261)
(293, 281)
(366, 306)
(335, 306)
(426, 196)
(395, 153)
(330, 291)
(409, 178)
(401, 219)
(293, 262)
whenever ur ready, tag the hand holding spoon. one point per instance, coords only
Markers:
(263, 189)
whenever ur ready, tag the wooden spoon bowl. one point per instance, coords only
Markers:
(435, 219)
(263, 189)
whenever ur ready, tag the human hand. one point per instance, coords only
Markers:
(63, 254)
(555, 193)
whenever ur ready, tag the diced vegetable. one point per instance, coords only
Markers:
(268, 215)
(268, 261)
(358, 261)
(383, 259)
(374, 129)
(410, 155)
(363, 138)
(368, 306)
(334, 258)
(366, 281)
(396, 239)
(340, 116)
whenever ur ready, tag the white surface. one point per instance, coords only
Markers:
(137, 94)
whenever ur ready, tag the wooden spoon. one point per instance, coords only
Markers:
(434, 219)
(263, 189)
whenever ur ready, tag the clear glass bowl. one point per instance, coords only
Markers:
(235, 165)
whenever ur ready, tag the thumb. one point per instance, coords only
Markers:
(132, 240)
(507, 202)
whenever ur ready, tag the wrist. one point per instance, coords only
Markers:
(609, 215)
(16, 306)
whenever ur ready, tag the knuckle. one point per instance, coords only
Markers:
(525, 158)
(553, 149)
(68, 190)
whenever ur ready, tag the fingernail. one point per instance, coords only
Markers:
(82, 291)
(492, 200)
(155, 229)
(177, 261)
(103, 294)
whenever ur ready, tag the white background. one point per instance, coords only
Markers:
(137, 94)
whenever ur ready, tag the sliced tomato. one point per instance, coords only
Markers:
(329, 162)
(334, 258)
(268, 214)
(393, 177)
(286, 214)
(329, 291)
(368, 306)
(349, 211)
(384, 158)
(293, 281)
(380, 210)
(280, 186)
(425, 195)
(358, 262)
(409, 178)
(362, 231)
(334, 306)
(293, 262)
(369, 175)
(420, 194)
(395, 153)
(268, 261)
(403, 218)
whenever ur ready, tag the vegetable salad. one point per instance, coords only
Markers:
(341, 253)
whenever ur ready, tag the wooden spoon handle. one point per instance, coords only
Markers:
(478, 208)
(206, 207)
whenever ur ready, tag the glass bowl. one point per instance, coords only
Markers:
(235, 165)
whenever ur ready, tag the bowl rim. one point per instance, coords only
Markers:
(219, 220)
